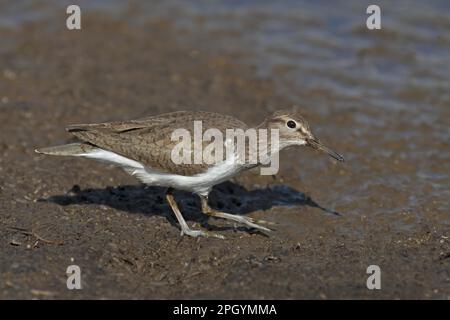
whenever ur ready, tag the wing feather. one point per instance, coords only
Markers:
(147, 140)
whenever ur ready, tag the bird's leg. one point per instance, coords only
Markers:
(184, 227)
(247, 221)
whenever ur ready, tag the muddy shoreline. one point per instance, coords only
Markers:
(57, 212)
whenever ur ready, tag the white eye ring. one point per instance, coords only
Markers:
(291, 124)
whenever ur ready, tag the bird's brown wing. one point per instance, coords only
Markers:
(148, 140)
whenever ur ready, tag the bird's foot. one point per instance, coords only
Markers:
(258, 222)
(247, 221)
(201, 233)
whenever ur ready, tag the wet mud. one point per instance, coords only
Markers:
(387, 205)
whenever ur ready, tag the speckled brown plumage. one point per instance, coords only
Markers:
(148, 140)
(143, 147)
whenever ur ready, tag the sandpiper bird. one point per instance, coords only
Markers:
(143, 148)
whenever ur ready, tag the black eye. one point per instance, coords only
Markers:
(291, 124)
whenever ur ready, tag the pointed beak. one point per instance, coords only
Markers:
(316, 144)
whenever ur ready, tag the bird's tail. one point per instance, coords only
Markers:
(71, 149)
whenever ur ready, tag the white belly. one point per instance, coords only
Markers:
(200, 183)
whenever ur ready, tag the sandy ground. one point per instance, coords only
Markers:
(55, 212)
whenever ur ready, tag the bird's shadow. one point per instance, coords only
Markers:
(228, 197)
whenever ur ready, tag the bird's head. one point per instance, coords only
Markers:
(294, 130)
